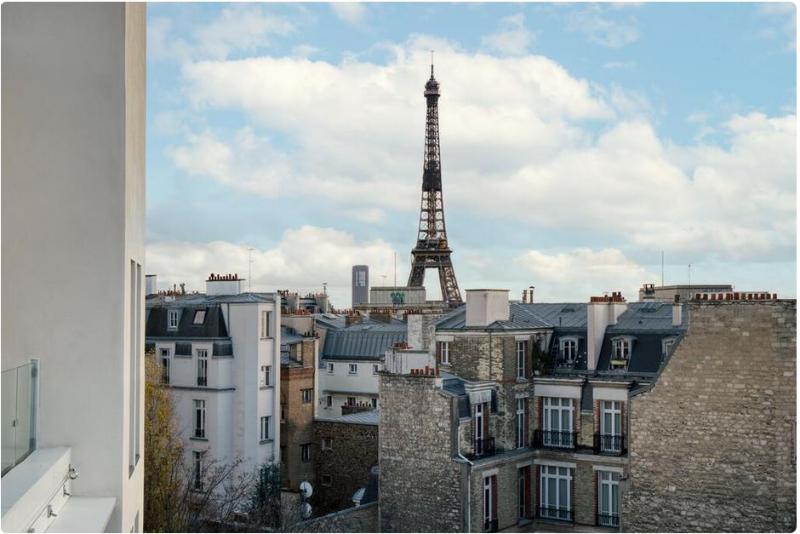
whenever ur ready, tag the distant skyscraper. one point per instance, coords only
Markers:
(360, 285)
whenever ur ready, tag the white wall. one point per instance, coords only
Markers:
(364, 385)
(72, 220)
(485, 306)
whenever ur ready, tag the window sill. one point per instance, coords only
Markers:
(263, 441)
(268, 386)
(266, 338)
(195, 438)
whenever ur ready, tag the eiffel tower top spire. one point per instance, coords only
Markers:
(432, 168)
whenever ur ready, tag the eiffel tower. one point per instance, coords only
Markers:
(432, 250)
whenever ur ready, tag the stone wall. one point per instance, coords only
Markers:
(358, 519)
(420, 483)
(354, 451)
(712, 444)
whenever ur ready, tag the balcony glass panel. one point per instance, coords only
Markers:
(18, 414)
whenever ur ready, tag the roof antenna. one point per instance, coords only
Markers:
(431, 63)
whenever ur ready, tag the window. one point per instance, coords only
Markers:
(327, 480)
(328, 401)
(611, 426)
(265, 428)
(172, 319)
(524, 492)
(480, 431)
(266, 375)
(330, 368)
(327, 444)
(164, 365)
(265, 324)
(202, 367)
(353, 369)
(622, 348)
(522, 423)
(522, 349)
(351, 401)
(198, 470)
(305, 452)
(307, 395)
(283, 413)
(569, 349)
(200, 419)
(489, 503)
(608, 499)
(199, 317)
(375, 368)
(374, 402)
(135, 369)
(443, 352)
(666, 346)
(557, 422)
(554, 493)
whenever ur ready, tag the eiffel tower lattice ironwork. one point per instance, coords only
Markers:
(432, 250)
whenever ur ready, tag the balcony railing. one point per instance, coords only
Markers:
(609, 444)
(554, 513)
(490, 525)
(19, 387)
(555, 439)
(483, 447)
(608, 520)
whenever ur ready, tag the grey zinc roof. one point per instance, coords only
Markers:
(365, 341)
(525, 316)
(651, 316)
(369, 417)
(289, 336)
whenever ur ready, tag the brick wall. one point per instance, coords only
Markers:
(420, 484)
(296, 429)
(354, 452)
(712, 444)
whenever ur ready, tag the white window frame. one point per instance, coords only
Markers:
(202, 367)
(522, 349)
(307, 395)
(266, 324)
(608, 507)
(172, 319)
(554, 508)
(521, 437)
(611, 426)
(666, 344)
(444, 352)
(199, 419)
(330, 368)
(352, 369)
(198, 470)
(201, 314)
(264, 428)
(621, 348)
(488, 499)
(166, 378)
(305, 452)
(569, 348)
(327, 444)
(479, 437)
(558, 422)
(355, 401)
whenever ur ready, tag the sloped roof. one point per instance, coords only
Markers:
(367, 340)
(524, 317)
(213, 325)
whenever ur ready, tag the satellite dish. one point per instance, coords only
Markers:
(306, 510)
(306, 490)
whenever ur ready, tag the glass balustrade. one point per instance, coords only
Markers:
(19, 394)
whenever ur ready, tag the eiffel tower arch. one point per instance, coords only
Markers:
(432, 250)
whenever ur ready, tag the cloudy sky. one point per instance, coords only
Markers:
(578, 143)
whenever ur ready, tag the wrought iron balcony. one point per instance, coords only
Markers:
(609, 444)
(608, 520)
(490, 525)
(483, 447)
(555, 439)
(554, 513)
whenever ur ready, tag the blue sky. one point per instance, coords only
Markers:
(578, 142)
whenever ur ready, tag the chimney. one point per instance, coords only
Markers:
(601, 312)
(352, 319)
(485, 306)
(677, 311)
(150, 284)
(223, 284)
(527, 295)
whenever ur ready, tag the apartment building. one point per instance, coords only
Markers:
(352, 356)
(522, 423)
(220, 353)
(299, 360)
(73, 206)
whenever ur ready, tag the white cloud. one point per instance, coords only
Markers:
(594, 22)
(239, 28)
(515, 145)
(512, 38)
(352, 13)
(613, 65)
(577, 274)
(304, 258)
(783, 16)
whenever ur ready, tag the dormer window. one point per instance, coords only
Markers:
(569, 349)
(622, 348)
(666, 346)
(199, 317)
(172, 319)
